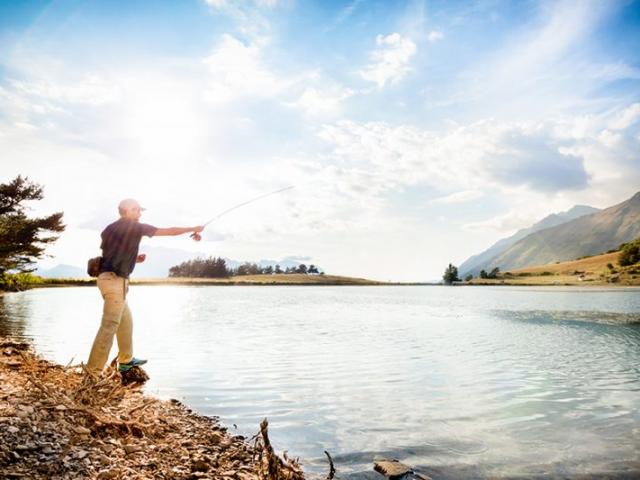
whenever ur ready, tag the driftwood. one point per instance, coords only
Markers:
(272, 467)
(332, 469)
(62, 422)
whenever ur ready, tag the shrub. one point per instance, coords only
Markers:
(630, 253)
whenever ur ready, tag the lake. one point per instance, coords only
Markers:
(459, 382)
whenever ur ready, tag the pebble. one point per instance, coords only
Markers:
(132, 449)
(81, 454)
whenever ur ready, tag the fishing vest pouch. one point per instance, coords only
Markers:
(93, 266)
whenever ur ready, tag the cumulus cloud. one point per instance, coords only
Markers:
(390, 61)
(534, 159)
(538, 158)
(237, 69)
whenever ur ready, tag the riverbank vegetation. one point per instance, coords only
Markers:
(217, 267)
(23, 239)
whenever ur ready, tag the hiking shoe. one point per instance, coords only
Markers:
(135, 362)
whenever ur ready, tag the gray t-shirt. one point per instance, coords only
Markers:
(120, 243)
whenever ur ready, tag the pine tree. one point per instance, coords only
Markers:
(22, 239)
(450, 275)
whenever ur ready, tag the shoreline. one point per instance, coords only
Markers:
(54, 424)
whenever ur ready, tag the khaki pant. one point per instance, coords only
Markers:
(116, 320)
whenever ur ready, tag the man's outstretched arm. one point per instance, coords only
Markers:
(173, 231)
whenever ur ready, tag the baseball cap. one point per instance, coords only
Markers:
(128, 204)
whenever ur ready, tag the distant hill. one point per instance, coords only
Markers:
(587, 235)
(160, 260)
(62, 271)
(485, 260)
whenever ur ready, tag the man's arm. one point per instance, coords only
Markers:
(173, 231)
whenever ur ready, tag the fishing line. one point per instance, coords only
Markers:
(197, 237)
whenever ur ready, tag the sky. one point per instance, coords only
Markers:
(416, 133)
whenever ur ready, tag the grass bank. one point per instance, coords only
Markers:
(32, 281)
(596, 270)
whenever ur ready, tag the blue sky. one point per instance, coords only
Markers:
(416, 133)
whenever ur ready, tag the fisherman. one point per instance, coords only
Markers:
(120, 243)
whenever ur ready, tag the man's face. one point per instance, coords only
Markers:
(133, 213)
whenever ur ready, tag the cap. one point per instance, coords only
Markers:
(129, 204)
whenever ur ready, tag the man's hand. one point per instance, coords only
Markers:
(196, 233)
(141, 258)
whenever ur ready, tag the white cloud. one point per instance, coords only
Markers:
(458, 197)
(542, 69)
(626, 117)
(323, 101)
(217, 3)
(504, 223)
(90, 90)
(389, 62)
(536, 159)
(237, 69)
(435, 35)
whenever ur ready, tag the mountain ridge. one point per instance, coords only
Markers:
(586, 235)
(482, 261)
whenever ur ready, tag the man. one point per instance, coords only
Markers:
(120, 243)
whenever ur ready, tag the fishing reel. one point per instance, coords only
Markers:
(196, 236)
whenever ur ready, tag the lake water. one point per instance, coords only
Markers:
(459, 382)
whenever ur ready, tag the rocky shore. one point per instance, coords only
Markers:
(58, 423)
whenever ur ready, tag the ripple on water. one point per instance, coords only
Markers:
(462, 382)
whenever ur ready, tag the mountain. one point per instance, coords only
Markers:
(587, 235)
(62, 271)
(484, 260)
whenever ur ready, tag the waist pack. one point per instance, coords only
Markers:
(93, 266)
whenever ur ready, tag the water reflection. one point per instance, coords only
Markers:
(463, 382)
(14, 314)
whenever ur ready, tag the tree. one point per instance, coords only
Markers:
(494, 273)
(278, 269)
(22, 239)
(450, 275)
(313, 269)
(630, 253)
(483, 274)
(302, 268)
(468, 278)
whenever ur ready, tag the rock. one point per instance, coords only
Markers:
(82, 430)
(81, 454)
(129, 449)
(61, 408)
(13, 429)
(199, 466)
(108, 474)
(391, 468)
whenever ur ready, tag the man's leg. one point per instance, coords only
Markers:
(111, 287)
(125, 336)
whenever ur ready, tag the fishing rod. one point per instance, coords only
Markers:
(197, 237)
